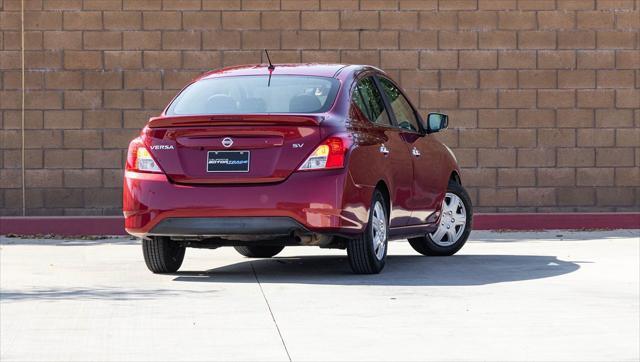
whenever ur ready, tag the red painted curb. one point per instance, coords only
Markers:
(114, 225)
(558, 221)
(63, 225)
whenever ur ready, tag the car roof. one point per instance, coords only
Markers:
(312, 69)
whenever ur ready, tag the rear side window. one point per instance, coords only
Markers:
(369, 100)
(256, 94)
(402, 110)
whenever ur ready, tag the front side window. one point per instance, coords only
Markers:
(369, 100)
(256, 94)
(402, 110)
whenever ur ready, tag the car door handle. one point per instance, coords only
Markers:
(415, 152)
(384, 150)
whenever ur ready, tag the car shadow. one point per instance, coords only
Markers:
(401, 270)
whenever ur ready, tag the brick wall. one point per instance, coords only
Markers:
(543, 94)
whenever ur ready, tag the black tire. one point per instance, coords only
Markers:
(361, 251)
(426, 246)
(259, 251)
(162, 255)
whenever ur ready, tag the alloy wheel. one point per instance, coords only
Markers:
(452, 222)
(379, 230)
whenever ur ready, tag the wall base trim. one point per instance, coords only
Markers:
(114, 225)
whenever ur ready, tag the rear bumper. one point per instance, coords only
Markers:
(323, 202)
(220, 226)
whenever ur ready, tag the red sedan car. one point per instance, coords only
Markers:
(262, 157)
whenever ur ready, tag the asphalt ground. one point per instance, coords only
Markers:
(553, 295)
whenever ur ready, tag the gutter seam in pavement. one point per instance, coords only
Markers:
(270, 311)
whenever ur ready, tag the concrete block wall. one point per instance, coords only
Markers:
(543, 94)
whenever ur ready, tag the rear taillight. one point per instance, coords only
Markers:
(329, 154)
(139, 158)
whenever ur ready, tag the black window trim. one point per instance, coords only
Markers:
(387, 105)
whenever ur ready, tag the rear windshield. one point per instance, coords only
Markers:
(256, 94)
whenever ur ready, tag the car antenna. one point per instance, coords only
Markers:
(271, 67)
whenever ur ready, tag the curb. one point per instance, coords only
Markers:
(114, 225)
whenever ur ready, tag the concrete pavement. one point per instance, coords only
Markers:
(554, 295)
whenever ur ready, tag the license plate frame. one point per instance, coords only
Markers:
(244, 158)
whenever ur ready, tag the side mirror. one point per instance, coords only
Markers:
(436, 122)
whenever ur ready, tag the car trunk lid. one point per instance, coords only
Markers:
(234, 149)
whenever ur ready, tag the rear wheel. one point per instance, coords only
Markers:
(454, 228)
(162, 255)
(259, 251)
(368, 253)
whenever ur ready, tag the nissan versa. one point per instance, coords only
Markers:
(262, 157)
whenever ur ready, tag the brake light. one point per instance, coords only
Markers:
(139, 158)
(329, 154)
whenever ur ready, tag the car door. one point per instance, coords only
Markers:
(387, 156)
(425, 191)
